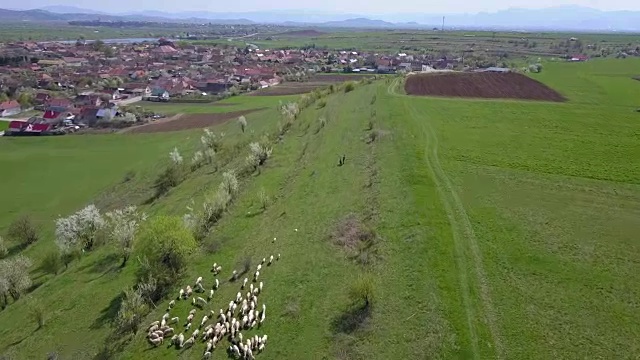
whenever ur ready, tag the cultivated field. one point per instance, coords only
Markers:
(480, 85)
(502, 229)
(189, 121)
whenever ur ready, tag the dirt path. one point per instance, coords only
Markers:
(468, 253)
(135, 128)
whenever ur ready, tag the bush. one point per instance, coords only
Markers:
(165, 244)
(258, 155)
(321, 104)
(175, 157)
(37, 313)
(348, 87)
(23, 231)
(242, 121)
(198, 160)
(131, 313)
(52, 262)
(122, 225)
(361, 291)
(212, 141)
(3, 248)
(130, 175)
(169, 178)
(14, 278)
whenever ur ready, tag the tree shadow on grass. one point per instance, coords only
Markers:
(16, 249)
(351, 320)
(108, 314)
(106, 264)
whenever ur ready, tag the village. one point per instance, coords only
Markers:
(63, 87)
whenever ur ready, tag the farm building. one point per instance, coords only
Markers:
(9, 108)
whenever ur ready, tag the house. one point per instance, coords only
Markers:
(59, 102)
(42, 98)
(88, 100)
(406, 66)
(579, 58)
(88, 115)
(137, 89)
(159, 94)
(9, 108)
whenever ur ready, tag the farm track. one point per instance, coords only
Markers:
(463, 234)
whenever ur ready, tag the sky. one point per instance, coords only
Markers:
(331, 6)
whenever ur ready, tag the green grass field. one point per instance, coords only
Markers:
(506, 228)
(4, 125)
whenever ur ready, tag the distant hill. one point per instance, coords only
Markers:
(569, 18)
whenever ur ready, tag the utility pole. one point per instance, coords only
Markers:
(443, 23)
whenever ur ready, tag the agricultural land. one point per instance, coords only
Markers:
(469, 214)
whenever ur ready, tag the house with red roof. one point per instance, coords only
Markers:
(9, 108)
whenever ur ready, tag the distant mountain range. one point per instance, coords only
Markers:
(573, 18)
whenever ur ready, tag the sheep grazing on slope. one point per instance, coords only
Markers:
(174, 320)
(256, 276)
(204, 320)
(259, 267)
(166, 316)
(260, 287)
(190, 341)
(156, 342)
(201, 301)
(195, 333)
(168, 332)
(199, 288)
(214, 267)
(278, 258)
(155, 326)
(207, 355)
(199, 280)
(190, 317)
(251, 288)
(189, 291)
(180, 341)
(181, 294)
(244, 283)
(172, 303)
(238, 296)
(270, 260)
(193, 301)
(188, 326)
(234, 276)
(192, 311)
(174, 340)
(210, 295)
(163, 323)
(217, 285)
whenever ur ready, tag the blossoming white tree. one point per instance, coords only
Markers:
(122, 225)
(78, 231)
(175, 156)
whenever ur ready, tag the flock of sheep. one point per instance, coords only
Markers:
(242, 313)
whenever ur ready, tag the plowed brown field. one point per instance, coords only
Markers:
(480, 85)
(189, 121)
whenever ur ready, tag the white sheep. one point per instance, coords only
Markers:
(261, 285)
(168, 332)
(262, 317)
(261, 348)
(172, 303)
(236, 351)
(256, 341)
(174, 320)
(223, 317)
(270, 260)
(248, 295)
(213, 268)
(189, 291)
(192, 311)
(256, 276)
(202, 301)
(244, 283)
(166, 316)
(217, 284)
(154, 327)
(207, 355)
(181, 294)
(199, 288)
(163, 322)
(154, 324)
(174, 340)
(238, 296)
(190, 317)
(218, 269)
(199, 280)
(180, 341)
(256, 291)
(193, 301)
(263, 260)
(153, 335)
(264, 339)
(259, 267)
(195, 333)
(249, 354)
(278, 258)
(251, 288)
(204, 320)
(240, 337)
(156, 342)
(190, 341)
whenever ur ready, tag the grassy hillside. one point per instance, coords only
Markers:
(505, 229)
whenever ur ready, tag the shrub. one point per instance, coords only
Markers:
(290, 111)
(14, 278)
(209, 155)
(263, 199)
(131, 313)
(79, 229)
(321, 104)
(258, 155)
(175, 157)
(348, 87)
(37, 312)
(23, 231)
(167, 179)
(373, 99)
(242, 121)
(361, 291)
(3, 248)
(122, 225)
(212, 141)
(52, 262)
(165, 244)
(230, 183)
(130, 175)
(197, 160)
